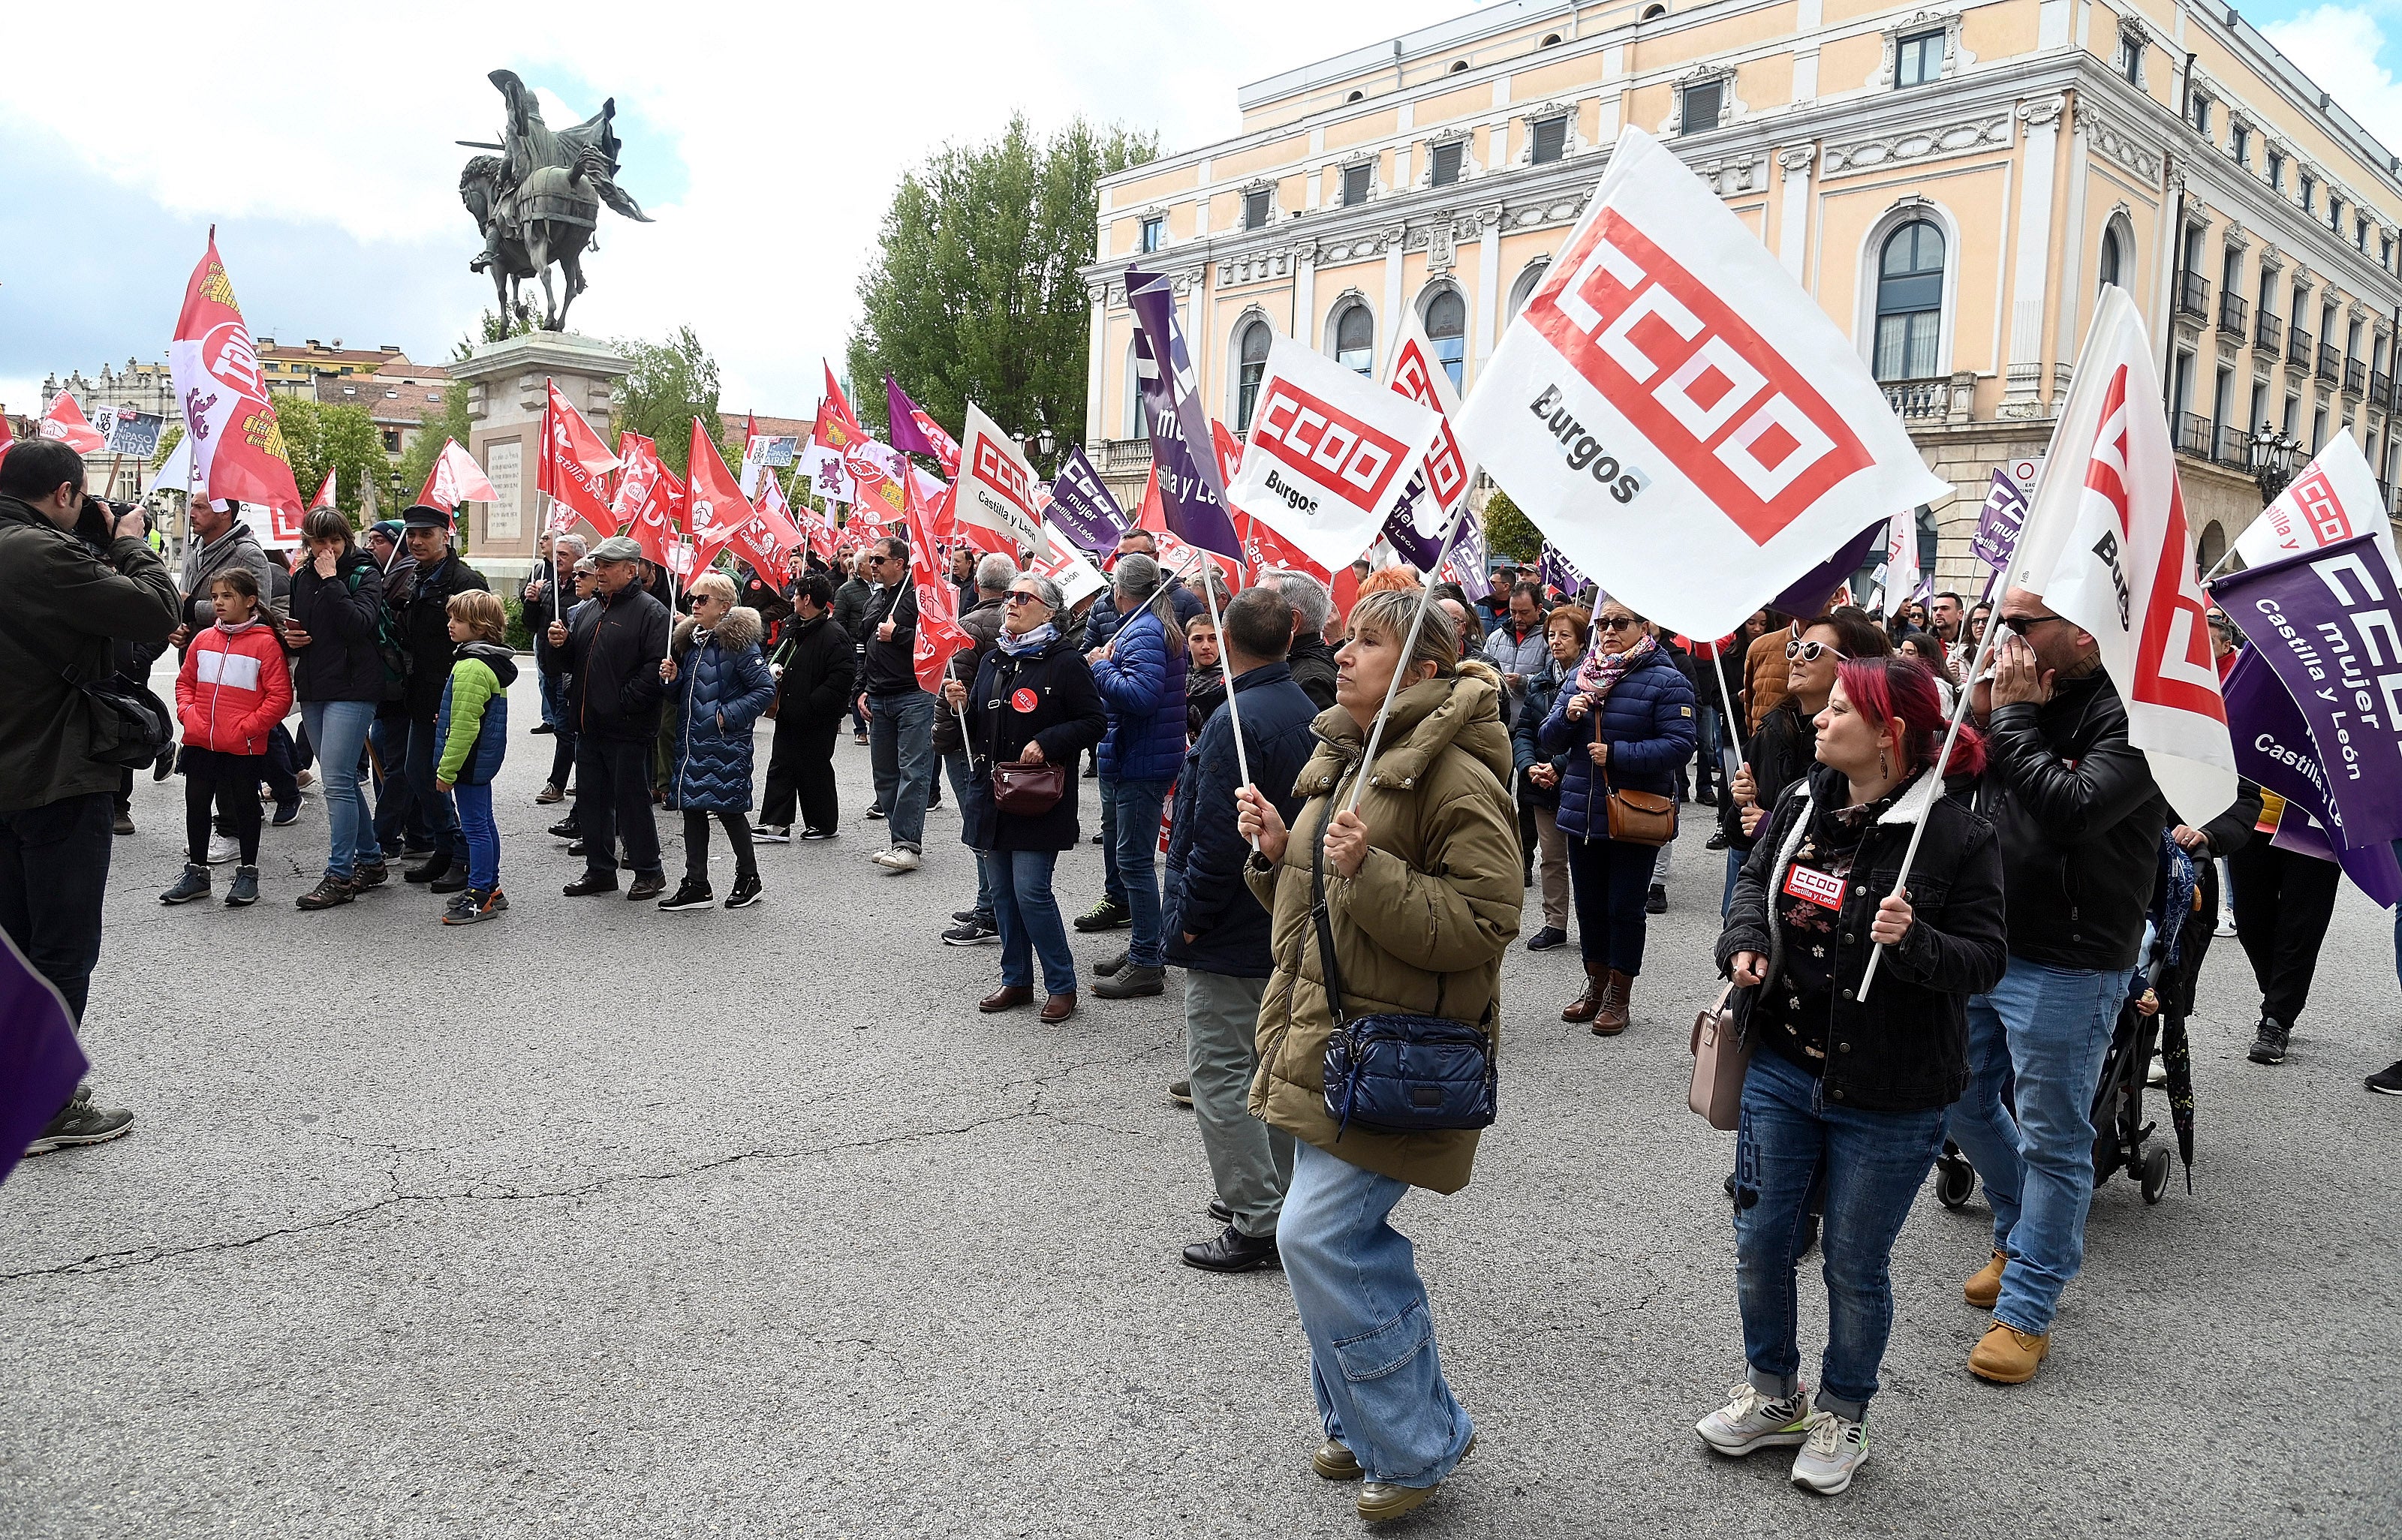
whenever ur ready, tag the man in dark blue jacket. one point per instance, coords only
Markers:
(1140, 676)
(1218, 933)
(1103, 621)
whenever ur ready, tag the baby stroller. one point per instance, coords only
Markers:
(2120, 1136)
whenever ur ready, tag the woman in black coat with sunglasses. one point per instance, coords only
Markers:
(1787, 743)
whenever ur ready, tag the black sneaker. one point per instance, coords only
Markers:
(773, 834)
(244, 890)
(193, 884)
(591, 883)
(1656, 901)
(286, 813)
(79, 1123)
(563, 830)
(2268, 1044)
(1232, 1251)
(1106, 915)
(2388, 1081)
(962, 917)
(124, 821)
(689, 895)
(970, 933)
(821, 833)
(1715, 842)
(875, 814)
(746, 892)
(647, 887)
(1548, 937)
(452, 881)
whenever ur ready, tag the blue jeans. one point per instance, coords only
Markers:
(901, 748)
(1873, 1164)
(557, 708)
(2047, 1028)
(1734, 869)
(338, 730)
(961, 768)
(398, 819)
(1372, 1362)
(1130, 859)
(1610, 879)
(1027, 918)
(1707, 763)
(441, 818)
(483, 835)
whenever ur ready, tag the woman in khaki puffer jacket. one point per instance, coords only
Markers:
(1423, 897)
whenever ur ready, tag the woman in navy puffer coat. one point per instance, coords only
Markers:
(720, 685)
(1140, 676)
(1626, 718)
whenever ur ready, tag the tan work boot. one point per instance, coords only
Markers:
(1985, 1286)
(1335, 1462)
(1380, 1501)
(2006, 1355)
(1610, 1019)
(1584, 1005)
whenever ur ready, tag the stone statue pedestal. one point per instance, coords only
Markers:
(505, 380)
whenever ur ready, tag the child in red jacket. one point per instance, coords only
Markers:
(231, 692)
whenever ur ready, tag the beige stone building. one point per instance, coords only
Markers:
(1951, 182)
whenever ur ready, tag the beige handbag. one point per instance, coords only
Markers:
(1719, 1065)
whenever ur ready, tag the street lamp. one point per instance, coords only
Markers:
(1044, 442)
(2272, 457)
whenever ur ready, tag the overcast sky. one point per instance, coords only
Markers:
(318, 139)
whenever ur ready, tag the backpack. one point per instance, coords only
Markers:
(389, 651)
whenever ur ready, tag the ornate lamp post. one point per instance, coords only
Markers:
(1044, 442)
(2272, 457)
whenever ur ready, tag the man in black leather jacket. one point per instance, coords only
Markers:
(2079, 822)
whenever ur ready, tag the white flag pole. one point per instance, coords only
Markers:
(1951, 735)
(1409, 646)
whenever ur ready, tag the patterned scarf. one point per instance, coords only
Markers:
(1601, 671)
(1032, 641)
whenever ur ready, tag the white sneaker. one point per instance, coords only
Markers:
(898, 859)
(773, 834)
(1836, 1448)
(223, 849)
(1752, 1421)
(2226, 924)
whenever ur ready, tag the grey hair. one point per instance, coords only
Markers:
(1044, 590)
(1309, 599)
(1137, 576)
(563, 542)
(995, 574)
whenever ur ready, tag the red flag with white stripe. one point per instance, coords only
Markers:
(456, 478)
(324, 498)
(574, 468)
(65, 422)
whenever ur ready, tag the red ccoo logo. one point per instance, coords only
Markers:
(1001, 473)
(1328, 445)
(1446, 468)
(1712, 395)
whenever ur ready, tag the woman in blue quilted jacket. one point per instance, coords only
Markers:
(1626, 722)
(720, 685)
(1140, 676)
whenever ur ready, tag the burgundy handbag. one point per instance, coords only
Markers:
(1027, 790)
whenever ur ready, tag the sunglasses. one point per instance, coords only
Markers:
(2020, 625)
(1616, 623)
(1016, 596)
(1811, 652)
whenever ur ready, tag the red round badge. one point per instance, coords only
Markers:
(1025, 700)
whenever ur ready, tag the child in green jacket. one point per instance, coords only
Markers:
(474, 732)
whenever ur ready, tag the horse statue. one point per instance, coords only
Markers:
(539, 201)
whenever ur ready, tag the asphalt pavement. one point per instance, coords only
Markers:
(600, 1221)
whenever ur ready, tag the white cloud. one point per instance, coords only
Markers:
(777, 134)
(2338, 46)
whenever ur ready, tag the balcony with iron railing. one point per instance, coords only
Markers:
(2356, 375)
(2193, 296)
(2268, 333)
(2234, 446)
(2330, 363)
(2380, 390)
(2298, 346)
(2234, 312)
(2195, 436)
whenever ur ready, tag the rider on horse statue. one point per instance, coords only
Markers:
(538, 202)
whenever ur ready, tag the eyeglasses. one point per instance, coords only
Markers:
(1811, 652)
(1019, 597)
(1616, 623)
(2020, 625)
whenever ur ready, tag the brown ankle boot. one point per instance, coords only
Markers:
(1611, 1020)
(1582, 1009)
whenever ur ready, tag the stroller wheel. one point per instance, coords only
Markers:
(2156, 1172)
(1955, 1180)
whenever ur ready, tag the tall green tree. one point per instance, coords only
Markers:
(672, 383)
(340, 438)
(1508, 532)
(438, 428)
(975, 293)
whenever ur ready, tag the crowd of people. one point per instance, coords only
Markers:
(1552, 736)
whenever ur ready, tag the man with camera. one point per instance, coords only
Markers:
(63, 609)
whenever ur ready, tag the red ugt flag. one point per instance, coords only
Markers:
(238, 451)
(938, 625)
(66, 423)
(573, 464)
(456, 478)
(714, 505)
(645, 505)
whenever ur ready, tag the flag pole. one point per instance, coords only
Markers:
(1918, 831)
(1409, 646)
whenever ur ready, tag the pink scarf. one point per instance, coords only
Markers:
(1601, 671)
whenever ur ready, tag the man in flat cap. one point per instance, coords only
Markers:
(614, 652)
(423, 612)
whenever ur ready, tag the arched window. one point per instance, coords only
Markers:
(1446, 327)
(1910, 302)
(2111, 256)
(1355, 340)
(1137, 415)
(2210, 550)
(1524, 288)
(1250, 366)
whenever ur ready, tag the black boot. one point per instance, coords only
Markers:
(1232, 1251)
